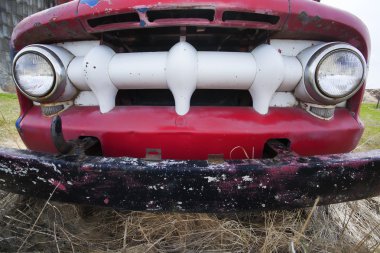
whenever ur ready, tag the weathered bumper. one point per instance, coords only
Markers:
(284, 182)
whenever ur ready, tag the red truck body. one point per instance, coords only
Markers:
(205, 130)
(223, 158)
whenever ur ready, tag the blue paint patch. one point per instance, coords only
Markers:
(142, 23)
(142, 9)
(18, 124)
(91, 3)
(12, 52)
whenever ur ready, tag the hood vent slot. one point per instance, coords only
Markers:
(250, 16)
(131, 17)
(156, 15)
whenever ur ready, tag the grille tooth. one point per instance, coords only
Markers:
(326, 113)
(322, 112)
(52, 110)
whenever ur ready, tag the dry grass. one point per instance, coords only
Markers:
(9, 111)
(349, 227)
(27, 224)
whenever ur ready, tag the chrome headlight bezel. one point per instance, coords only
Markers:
(312, 67)
(57, 66)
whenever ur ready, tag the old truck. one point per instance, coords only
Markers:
(191, 105)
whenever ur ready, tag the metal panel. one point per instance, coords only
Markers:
(284, 182)
(130, 130)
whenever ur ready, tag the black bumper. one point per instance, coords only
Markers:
(284, 182)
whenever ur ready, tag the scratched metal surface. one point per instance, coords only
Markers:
(284, 182)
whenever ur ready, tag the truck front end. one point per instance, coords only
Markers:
(191, 105)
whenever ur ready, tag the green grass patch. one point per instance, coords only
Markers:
(9, 112)
(8, 96)
(371, 118)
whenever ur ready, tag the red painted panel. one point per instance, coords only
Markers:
(56, 24)
(322, 22)
(24, 102)
(129, 131)
(62, 1)
(88, 10)
(307, 20)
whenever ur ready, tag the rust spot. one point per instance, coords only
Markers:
(306, 19)
(52, 23)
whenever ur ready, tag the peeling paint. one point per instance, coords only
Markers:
(192, 186)
(142, 9)
(91, 3)
(247, 179)
(211, 179)
(57, 184)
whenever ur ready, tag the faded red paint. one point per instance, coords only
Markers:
(58, 185)
(129, 131)
(56, 24)
(62, 1)
(306, 20)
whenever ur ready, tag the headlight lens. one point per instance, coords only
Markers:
(339, 73)
(34, 74)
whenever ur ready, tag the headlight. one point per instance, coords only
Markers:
(39, 72)
(333, 73)
(339, 73)
(34, 74)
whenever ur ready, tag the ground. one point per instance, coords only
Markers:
(28, 224)
(9, 112)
